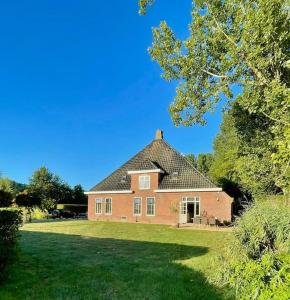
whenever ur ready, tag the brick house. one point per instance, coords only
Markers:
(158, 185)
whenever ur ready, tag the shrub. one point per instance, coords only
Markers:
(258, 261)
(10, 221)
(5, 198)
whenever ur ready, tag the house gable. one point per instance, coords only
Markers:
(173, 169)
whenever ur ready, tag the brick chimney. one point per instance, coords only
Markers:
(159, 134)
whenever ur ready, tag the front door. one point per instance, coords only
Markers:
(183, 212)
(190, 212)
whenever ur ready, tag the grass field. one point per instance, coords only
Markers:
(103, 260)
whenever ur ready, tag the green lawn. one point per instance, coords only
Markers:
(103, 260)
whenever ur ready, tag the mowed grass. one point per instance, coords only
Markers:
(106, 260)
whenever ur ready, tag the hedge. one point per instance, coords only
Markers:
(10, 221)
(258, 262)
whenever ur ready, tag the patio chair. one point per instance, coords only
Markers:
(195, 220)
(212, 222)
(204, 221)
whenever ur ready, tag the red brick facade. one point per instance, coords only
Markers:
(213, 203)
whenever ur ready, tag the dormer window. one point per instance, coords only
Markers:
(175, 174)
(144, 182)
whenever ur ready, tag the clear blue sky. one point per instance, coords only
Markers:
(79, 93)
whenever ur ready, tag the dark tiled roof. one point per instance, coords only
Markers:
(178, 171)
(145, 164)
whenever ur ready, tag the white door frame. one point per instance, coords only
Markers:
(183, 208)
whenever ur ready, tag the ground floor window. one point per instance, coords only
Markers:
(98, 206)
(137, 207)
(150, 206)
(108, 208)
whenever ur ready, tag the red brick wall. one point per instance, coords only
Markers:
(216, 204)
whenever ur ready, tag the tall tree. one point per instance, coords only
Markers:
(234, 43)
(225, 169)
(6, 185)
(79, 196)
(225, 151)
(204, 162)
(192, 159)
(48, 188)
(11, 186)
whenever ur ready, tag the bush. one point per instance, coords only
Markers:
(5, 198)
(258, 262)
(33, 214)
(10, 221)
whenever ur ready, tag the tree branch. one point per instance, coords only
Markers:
(276, 120)
(213, 74)
(220, 28)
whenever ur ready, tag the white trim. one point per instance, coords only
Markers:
(109, 214)
(154, 206)
(137, 215)
(189, 190)
(145, 171)
(109, 192)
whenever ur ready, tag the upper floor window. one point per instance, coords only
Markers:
(108, 207)
(144, 182)
(98, 206)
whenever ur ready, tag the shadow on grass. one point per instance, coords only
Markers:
(59, 266)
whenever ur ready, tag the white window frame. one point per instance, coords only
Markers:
(149, 215)
(134, 206)
(195, 199)
(141, 177)
(99, 201)
(111, 202)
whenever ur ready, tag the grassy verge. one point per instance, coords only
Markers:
(103, 260)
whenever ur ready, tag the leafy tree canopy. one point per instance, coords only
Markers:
(47, 186)
(202, 162)
(234, 44)
(79, 196)
(11, 186)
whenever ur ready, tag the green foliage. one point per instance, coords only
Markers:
(11, 186)
(258, 263)
(192, 159)
(79, 196)
(10, 221)
(225, 153)
(49, 188)
(36, 214)
(5, 198)
(231, 44)
(6, 185)
(45, 190)
(202, 162)
(28, 200)
(46, 186)
(143, 5)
